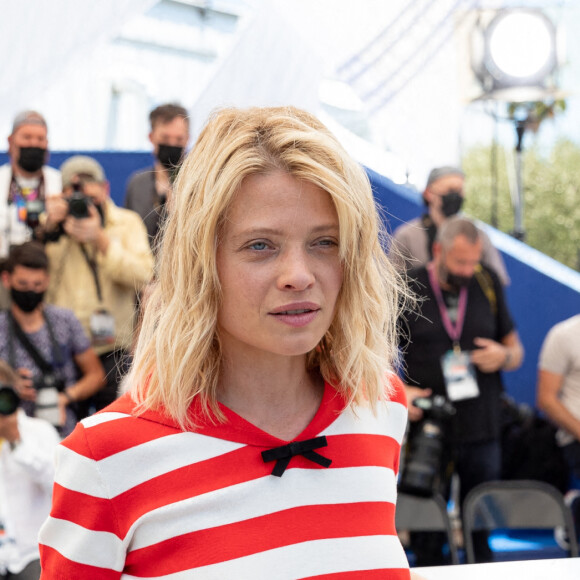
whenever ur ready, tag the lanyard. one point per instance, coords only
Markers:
(453, 330)
(15, 191)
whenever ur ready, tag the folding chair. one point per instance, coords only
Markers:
(515, 504)
(425, 514)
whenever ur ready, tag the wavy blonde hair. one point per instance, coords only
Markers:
(178, 354)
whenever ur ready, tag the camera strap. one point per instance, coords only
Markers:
(431, 230)
(92, 263)
(16, 331)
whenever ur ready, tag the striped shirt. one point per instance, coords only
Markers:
(137, 497)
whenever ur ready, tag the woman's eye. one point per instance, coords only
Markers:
(328, 242)
(258, 246)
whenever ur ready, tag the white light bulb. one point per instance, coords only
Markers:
(520, 44)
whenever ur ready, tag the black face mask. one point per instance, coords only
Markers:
(458, 282)
(169, 156)
(27, 300)
(31, 159)
(451, 202)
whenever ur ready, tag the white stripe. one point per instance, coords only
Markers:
(390, 420)
(139, 464)
(131, 467)
(298, 487)
(102, 418)
(78, 473)
(303, 560)
(81, 545)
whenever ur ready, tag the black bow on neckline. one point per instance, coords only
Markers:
(283, 454)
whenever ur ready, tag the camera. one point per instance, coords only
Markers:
(34, 208)
(78, 202)
(9, 400)
(423, 464)
(48, 381)
(47, 388)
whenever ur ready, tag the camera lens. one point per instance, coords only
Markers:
(9, 400)
(423, 464)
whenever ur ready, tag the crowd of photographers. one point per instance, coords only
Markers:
(75, 265)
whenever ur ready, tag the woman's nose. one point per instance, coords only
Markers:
(295, 271)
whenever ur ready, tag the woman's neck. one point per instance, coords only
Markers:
(279, 397)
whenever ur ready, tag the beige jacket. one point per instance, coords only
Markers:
(123, 271)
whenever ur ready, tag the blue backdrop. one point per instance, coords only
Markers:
(542, 293)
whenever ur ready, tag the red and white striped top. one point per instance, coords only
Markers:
(137, 497)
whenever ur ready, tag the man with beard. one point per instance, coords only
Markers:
(458, 344)
(443, 197)
(26, 181)
(99, 259)
(46, 344)
(149, 189)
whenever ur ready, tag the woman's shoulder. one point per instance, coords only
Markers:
(395, 389)
(116, 428)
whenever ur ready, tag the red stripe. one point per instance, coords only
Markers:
(77, 441)
(390, 574)
(362, 450)
(56, 567)
(232, 541)
(399, 395)
(115, 436)
(85, 510)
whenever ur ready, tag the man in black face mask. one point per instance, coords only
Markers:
(443, 197)
(149, 189)
(99, 260)
(458, 345)
(26, 181)
(46, 344)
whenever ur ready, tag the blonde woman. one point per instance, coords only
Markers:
(260, 434)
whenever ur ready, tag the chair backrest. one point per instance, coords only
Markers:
(515, 504)
(425, 514)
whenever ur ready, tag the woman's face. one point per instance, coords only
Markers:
(279, 267)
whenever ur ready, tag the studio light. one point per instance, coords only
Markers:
(514, 56)
(516, 48)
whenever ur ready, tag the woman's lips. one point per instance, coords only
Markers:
(296, 315)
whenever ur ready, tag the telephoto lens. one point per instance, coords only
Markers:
(423, 462)
(9, 400)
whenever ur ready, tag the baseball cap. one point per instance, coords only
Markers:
(28, 118)
(81, 165)
(440, 172)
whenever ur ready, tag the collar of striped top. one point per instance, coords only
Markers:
(237, 428)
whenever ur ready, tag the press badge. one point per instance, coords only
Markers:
(459, 375)
(102, 325)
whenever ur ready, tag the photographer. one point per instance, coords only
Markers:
(457, 347)
(26, 182)
(149, 189)
(26, 477)
(45, 343)
(99, 259)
